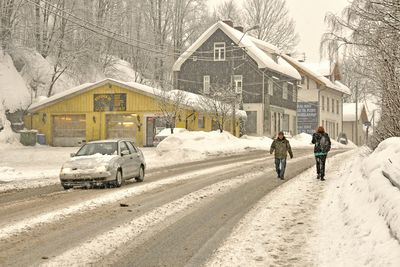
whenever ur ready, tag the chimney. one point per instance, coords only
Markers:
(228, 22)
(239, 28)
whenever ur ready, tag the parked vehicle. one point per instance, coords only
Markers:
(102, 163)
(342, 138)
(165, 133)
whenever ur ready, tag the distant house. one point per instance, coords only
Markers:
(354, 127)
(320, 97)
(265, 83)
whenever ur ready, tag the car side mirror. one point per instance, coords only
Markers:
(124, 153)
(72, 155)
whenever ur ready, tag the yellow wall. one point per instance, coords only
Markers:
(136, 103)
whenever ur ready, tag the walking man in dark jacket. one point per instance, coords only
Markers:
(322, 145)
(281, 147)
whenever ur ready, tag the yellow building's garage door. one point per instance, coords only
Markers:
(121, 126)
(69, 130)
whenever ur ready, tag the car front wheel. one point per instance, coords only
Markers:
(140, 178)
(118, 179)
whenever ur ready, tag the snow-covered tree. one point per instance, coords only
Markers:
(369, 32)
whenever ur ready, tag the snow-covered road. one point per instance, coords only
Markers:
(185, 211)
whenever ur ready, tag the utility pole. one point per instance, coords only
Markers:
(357, 114)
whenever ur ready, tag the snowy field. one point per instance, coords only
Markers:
(349, 220)
(22, 167)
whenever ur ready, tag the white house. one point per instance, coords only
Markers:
(352, 127)
(320, 97)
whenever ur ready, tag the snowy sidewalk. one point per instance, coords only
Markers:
(278, 229)
(352, 219)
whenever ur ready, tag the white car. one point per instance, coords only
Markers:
(165, 133)
(100, 163)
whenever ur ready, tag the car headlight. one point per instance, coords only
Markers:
(103, 168)
(65, 170)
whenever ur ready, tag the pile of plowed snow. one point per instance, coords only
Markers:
(360, 215)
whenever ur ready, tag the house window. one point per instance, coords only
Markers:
(200, 121)
(206, 84)
(284, 91)
(238, 83)
(327, 104)
(270, 87)
(323, 102)
(219, 51)
(337, 106)
(333, 105)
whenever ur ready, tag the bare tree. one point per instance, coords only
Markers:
(275, 24)
(171, 104)
(228, 10)
(369, 30)
(219, 104)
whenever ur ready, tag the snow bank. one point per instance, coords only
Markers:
(37, 70)
(121, 70)
(187, 146)
(360, 223)
(14, 93)
(7, 136)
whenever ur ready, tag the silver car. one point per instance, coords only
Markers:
(102, 163)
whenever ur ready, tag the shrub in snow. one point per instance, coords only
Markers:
(7, 136)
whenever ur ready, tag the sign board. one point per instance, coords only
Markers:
(307, 117)
(109, 102)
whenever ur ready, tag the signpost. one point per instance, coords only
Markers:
(307, 117)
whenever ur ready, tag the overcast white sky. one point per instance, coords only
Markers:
(309, 16)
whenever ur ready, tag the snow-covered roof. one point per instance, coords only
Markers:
(338, 86)
(258, 50)
(193, 100)
(88, 86)
(324, 67)
(349, 111)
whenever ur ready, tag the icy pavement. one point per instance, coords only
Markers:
(92, 251)
(352, 219)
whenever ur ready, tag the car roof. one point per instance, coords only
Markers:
(109, 141)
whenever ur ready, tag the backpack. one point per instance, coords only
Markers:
(324, 144)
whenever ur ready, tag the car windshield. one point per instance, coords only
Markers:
(107, 148)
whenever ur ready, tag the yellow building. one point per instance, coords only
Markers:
(108, 109)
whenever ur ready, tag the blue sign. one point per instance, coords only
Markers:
(307, 117)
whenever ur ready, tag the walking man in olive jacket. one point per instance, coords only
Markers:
(281, 147)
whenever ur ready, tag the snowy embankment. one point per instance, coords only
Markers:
(360, 222)
(191, 146)
(352, 219)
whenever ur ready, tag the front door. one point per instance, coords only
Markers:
(150, 130)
